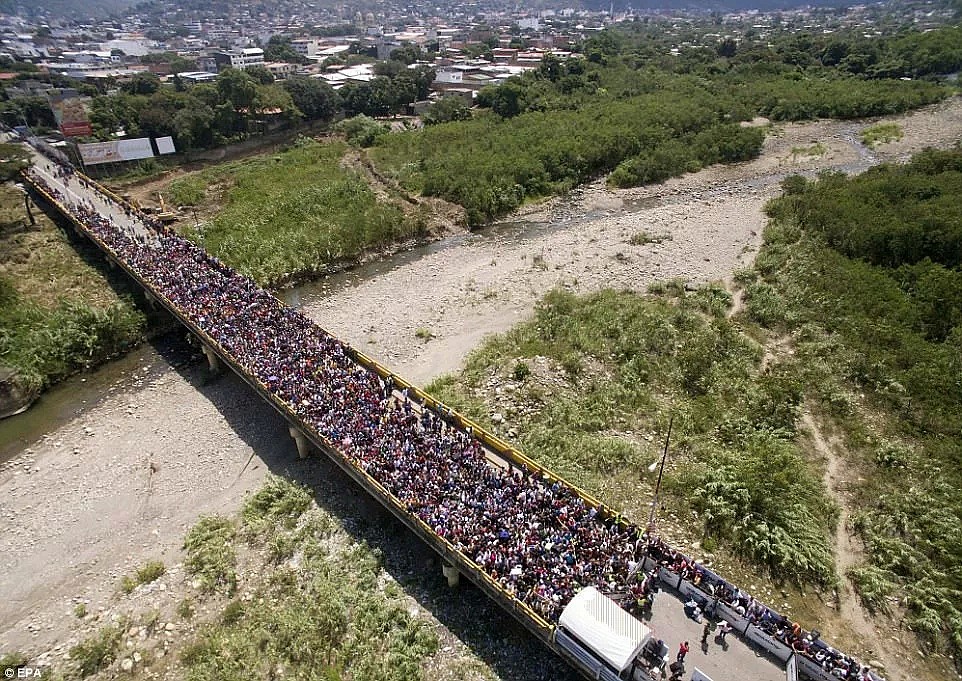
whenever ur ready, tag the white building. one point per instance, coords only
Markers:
(239, 59)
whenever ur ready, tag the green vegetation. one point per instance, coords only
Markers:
(423, 333)
(618, 366)
(325, 616)
(864, 273)
(361, 130)
(295, 213)
(13, 661)
(881, 133)
(644, 238)
(185, 609)
(80, 610)
(817, 149)
(96, 652)
(491, 166)
(632, 110)
(210, 554)
(147, 573)
(58, 313)
(186, 191)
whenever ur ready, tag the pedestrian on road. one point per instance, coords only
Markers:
(724, 630)
(682, 651)
(706, 631)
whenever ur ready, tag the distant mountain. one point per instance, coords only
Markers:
(74, 9)
(713, 5)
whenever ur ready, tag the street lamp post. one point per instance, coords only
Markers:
(661, 472)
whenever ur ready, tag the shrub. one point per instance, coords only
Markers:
(280, 502)
(210, 553)
(521, 370)
(361, 130)
(150, 572)
(881, 133)
(97, 652)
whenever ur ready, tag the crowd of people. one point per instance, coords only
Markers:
(534, 536)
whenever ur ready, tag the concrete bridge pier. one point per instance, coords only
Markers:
(303, 444)
(452, 574)
(213, 361)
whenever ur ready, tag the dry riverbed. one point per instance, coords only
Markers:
(120, 484)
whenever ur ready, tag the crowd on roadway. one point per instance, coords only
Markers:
(716, 590)
(534, 536)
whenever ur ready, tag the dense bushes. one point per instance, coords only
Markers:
(46, 345)
(866, 273)
(490, 166)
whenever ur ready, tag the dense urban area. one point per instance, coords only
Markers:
(722, 241)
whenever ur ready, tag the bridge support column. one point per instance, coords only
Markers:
(213, 361)
(451, 572)
(303, 444)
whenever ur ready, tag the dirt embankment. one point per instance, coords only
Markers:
(120, 483)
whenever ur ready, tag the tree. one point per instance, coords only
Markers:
(270, 98)
(279, 48)
(13, 159)
(315, 98)
(727, 48)
(408, 53)
(142, 84)
(447, 109)
(551, 68)
(260, 74)
(236, 87)
(404, 90)
(505, 100)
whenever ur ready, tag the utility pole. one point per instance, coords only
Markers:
(661, 472)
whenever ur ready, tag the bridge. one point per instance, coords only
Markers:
(570, 569)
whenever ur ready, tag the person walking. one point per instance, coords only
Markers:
(724, 630)
(682, 651)
(705, 632)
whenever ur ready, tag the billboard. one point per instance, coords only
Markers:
(121, 150)
(70, 112)
(165, 145)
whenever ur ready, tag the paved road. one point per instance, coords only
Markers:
(738, 663)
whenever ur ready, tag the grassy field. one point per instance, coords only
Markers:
(59, 312)
(290, 215)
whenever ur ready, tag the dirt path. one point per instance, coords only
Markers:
(74, 506)
(850, 553)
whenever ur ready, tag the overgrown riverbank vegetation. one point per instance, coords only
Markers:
(59, 313)
(864, 274)
(284, 216)
(643, 114)
(603, 375)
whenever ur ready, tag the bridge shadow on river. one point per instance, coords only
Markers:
(488, 631)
